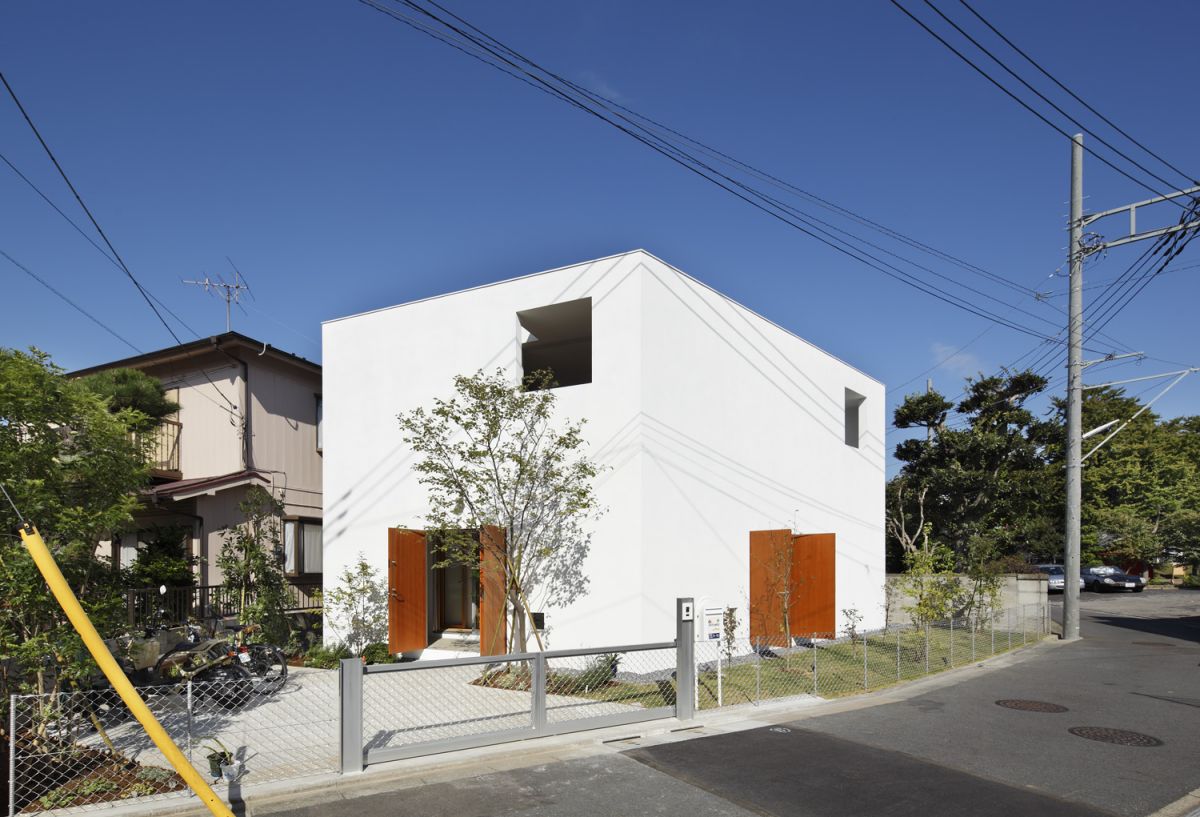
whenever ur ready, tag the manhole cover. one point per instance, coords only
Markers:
(782, 729)
(1030, 706)
(1120, 737)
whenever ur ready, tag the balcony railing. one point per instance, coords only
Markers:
(181, 604)
(162, 447)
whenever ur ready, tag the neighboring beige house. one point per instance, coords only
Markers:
(248, 414)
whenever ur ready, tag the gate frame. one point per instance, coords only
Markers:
(355, 756)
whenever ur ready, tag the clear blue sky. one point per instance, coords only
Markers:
(346, 162)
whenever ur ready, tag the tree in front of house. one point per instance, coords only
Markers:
(73, 468)
(357, 606)
(492, 456)
(252, 565)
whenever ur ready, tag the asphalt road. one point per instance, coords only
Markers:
(947, 751)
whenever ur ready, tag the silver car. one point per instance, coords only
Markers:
(1056, 578)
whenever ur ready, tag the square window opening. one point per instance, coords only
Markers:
(558, 339)
(853, 406)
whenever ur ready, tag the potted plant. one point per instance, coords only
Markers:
(219, 758)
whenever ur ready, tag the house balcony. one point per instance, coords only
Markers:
(162, 450)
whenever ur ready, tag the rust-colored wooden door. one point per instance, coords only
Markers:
(813, 574)
(407, 609)
(493, 624)
(792, 573)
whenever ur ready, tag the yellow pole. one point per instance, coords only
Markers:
(112, 671)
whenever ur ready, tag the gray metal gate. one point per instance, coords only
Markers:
(396, 711)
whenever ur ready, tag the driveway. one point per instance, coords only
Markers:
(947, 749)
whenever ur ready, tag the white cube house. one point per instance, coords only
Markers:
(708, 420)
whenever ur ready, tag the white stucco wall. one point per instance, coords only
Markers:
(709, 421)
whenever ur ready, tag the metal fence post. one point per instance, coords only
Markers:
(1008, 625)
(758, 648)
(926, 647)
(992, 621)
(685, 659)
(12, 756)
(350, 693)
(1022, 625)
(189, 721)
(814, 661)
(866, 640)
(538, 688)
(951, 641)
(973, 629)
(897, 653)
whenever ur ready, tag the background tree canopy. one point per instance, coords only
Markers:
(988, 486)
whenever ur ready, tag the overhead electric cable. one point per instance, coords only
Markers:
(100, 230)
(1073, 95)
(1020, 101)
(1050, 102)
(69, 302)
(739, 189)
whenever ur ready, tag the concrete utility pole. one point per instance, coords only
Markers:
(1076, 363)
(1070, 629)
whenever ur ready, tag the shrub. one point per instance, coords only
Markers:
(377, 653)
(324, 657)
(600, 671)
(154, 774)
(139, 790)
(1191, 580)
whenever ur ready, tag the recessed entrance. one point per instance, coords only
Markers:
(454, 601)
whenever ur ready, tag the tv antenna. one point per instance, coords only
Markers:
(230, 293)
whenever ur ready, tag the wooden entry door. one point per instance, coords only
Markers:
(813, 566)
(795, 573)
(407, 626)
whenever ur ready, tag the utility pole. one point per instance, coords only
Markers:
(1076, 363)
(1070, 627)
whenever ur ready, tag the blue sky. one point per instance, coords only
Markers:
(346, 162)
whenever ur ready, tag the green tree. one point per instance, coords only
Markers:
(73, 468)
(490, 456)
(980, 489)
(163, 558)
(252, 565)
(357, 606)
(132, 389)
(1137, 482)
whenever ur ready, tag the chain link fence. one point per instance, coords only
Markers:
(425, 707)
(740, 671)
(79, 751)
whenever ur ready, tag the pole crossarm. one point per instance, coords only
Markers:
(1132, 209)
(1140, 379)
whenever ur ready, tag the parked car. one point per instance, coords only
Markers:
(1105, 578)
(1056, 578)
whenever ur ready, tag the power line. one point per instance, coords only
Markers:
(756, 198)
(1050, 102)
(104, 236)
(1017, 99)
(71, 303)
(1072, 94)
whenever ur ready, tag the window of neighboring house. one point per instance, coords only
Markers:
(558, 339)
(854, 402)
(303, 550)
(128, 550)
(320, 417)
